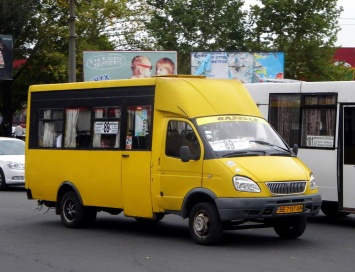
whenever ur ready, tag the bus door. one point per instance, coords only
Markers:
(177, 178)
(136, 162)
(347, 153)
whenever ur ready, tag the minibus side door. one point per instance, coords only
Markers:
(177, 178)
(136, 163)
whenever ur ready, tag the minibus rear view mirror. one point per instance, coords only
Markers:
(185, 153)
(295, 149)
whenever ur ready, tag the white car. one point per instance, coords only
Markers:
(12, 162)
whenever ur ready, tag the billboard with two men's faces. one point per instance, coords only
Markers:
(108, 65)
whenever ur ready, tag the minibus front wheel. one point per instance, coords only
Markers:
(290, 227)
(205, 225)
(75, 215)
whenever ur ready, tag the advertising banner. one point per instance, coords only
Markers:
(108, 65)
(6, 47)
(247, 67)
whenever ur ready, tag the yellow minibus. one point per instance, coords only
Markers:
(190, 146)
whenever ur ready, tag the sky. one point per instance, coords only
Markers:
(346, 36)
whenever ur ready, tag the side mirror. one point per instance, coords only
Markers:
(185, 153)
(295, 149)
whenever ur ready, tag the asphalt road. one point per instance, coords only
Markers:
(33, 241)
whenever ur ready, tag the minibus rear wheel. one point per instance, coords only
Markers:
(205, 225)
(290, 227)
(73, 214)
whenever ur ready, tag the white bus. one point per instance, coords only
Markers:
(320, 118)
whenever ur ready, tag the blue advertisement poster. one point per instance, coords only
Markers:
(248, 67)
(108, 65)
(6, 47)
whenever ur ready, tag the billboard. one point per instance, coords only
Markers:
(108, 65)
(6, 47)
(248, 67)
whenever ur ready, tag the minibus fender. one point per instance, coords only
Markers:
(66, 186)
(196, 195)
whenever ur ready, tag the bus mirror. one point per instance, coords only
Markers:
(295, 149)
(185, 153)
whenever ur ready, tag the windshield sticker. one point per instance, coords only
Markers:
(217, 119)
(231, 144)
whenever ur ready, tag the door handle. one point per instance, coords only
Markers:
(125, 155)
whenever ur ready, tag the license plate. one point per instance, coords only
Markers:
(290, 209)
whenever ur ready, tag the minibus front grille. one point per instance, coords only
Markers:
(287, 188)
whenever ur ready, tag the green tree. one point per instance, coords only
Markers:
(306, 30)
(40, 29)
(191, 25)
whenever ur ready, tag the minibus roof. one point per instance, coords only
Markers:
(198, 96)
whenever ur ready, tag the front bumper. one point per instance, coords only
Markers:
(257, 208)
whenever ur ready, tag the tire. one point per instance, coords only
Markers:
(205, 225)
(3, 185)
(290, 227)
(331, 210)
(73, 214)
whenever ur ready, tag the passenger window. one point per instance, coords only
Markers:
(106, 128)
(181, 134)
(50, 127)
(138, 136)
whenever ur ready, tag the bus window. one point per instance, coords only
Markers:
(318, 120)
(284, 116)
(106, 127)
(181, 134)
(138, 130)
(314, 113)
(50, 127)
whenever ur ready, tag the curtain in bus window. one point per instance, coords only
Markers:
(318, 127)
(70, 128)
(330, 121)
(117, 142)
(99, 113)
(284, 115)
(49, 132)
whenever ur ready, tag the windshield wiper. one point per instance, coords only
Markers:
(244, 153)
(271, 145)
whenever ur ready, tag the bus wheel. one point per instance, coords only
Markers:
(330, 209)
(205, 226)
(71, 211)
(3, 185)
(290, 227)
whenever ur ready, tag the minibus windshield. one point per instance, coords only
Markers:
(235, 135)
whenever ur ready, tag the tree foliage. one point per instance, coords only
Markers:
(40, 30)
(190, 25)
(306, 30)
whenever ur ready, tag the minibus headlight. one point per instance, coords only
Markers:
(15, 165)
(244, 184)
(312, 182)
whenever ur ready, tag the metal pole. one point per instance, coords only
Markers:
(72, 47)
